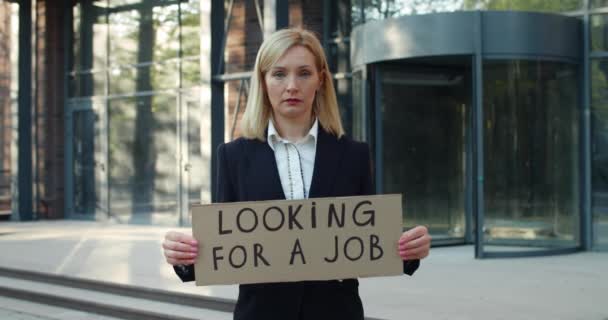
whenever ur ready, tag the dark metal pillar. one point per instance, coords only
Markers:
(282, 14)
(25, 112)
(586, 220)
(217, 86)
(478, 168)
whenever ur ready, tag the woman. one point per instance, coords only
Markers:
(293, 147)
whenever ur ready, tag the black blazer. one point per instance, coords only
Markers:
(247, 171)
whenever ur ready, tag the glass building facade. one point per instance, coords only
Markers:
(134, 110)
(492, 143)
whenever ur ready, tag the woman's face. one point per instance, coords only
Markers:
(291, 85)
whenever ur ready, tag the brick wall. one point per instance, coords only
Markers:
(5, 106)
(49, 102)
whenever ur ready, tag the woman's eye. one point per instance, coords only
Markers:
(304, 73)
(278, 74)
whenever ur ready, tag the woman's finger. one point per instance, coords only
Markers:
(416, 253)
(418, 242)
(413, 233)
(180, 237)
(179, 246)
(180, 255)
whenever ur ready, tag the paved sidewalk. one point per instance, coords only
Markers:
(451, 284)
(12, 309)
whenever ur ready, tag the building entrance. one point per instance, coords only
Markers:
(425, 128)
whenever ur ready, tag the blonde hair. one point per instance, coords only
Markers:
(258, 110)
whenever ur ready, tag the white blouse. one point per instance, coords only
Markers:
(295, 161)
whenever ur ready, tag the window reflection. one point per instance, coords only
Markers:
(359, 125)
(379, 10)
(424, 140)
(125, 38)
(164, 28)
(140, 42)
(599, 3)
(149, 77)
(599, 32)
(531, 153)
(87, 83)
(599, 153)
(243, 41)
(83, 163)
(191, 37)
(142, 146)
(127, 53)
(191, 73)
(89, 50)
(198, 121)
(89, 37)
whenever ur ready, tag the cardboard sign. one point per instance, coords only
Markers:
(296, 240)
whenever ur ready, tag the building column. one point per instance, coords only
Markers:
(24, 146)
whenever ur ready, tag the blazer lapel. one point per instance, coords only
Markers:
(327, 159)
(266, 174)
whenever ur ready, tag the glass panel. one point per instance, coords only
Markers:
(89, 36)
(191, 37)
(151, 77)
(356, 13)
(531, 154)
(198, 128)
(125, 39)
(163, 24)
(144, 48)
(191, 72)
(424, 114)
(379, 10)
(359, 110)
(123, 80)
(236, 93)
(599, 116)
(599, 33)
(599, 4)
(147, 33)
(142, 55)
(244, 38)
(86, 84)
(86, 144)
(143, 158)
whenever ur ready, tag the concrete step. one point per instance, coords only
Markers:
(118, 301)
(14, 309)
(113, 300)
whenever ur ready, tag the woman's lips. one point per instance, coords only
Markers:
(292, 101)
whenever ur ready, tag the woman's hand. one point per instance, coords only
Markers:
(180, 248)
(415, 244)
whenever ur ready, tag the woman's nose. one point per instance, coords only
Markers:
(292, 84)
